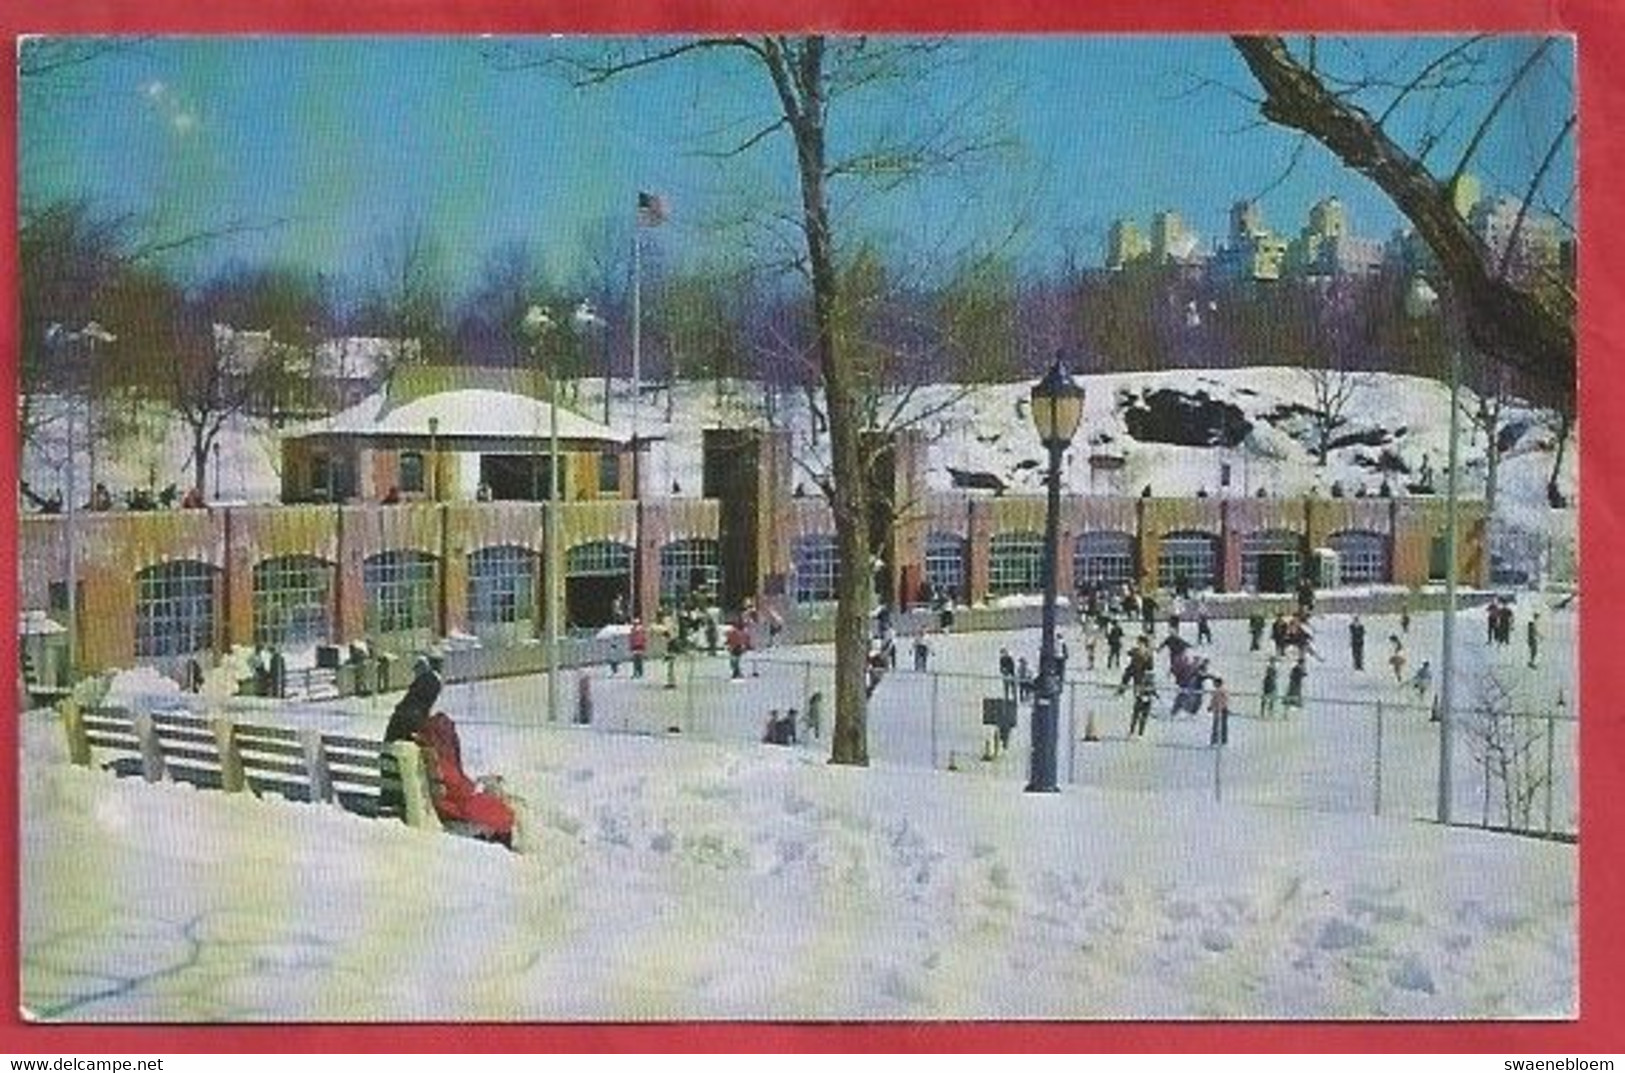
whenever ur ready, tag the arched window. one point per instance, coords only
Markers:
(174, 609)
(1191, 554)
(400, 589)
(1362, 555)
(1103, 557)
(597, 584)
(688, 566)
(1271, 560)
(502, 591)
(601, 558)
(293, 599)
(816, 565)
(945, 564)
(1015, 564)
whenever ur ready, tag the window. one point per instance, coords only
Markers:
(945, 564)
(601, 558)
(1015, 564)
(321, 475)
(609, 473)
(174, 609)
(1192, 554)
(687, 566)
(400, 592)
(1104, 556)
(411, 471)
(1362, 555)
(502, 591)
(292, 595)
(1282, 546)
(817, 566)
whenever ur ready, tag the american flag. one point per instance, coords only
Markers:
(651, 209)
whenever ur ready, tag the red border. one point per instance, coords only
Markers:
(1601, 33)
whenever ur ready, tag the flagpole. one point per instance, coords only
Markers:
(637, 349)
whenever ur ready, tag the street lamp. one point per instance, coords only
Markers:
(536, 325)
(1422, 302)
(1057, 408)
(434, 459)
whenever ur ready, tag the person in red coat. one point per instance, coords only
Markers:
(638, 641)
(459, 799)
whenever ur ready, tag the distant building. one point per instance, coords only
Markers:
(312, 380)
(1252, 251)
(1171, 241)
(1125, 244)
(1327, 247)
(1529, 243)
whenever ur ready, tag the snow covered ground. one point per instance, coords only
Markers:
(703, 875)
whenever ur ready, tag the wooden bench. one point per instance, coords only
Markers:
(371, 778)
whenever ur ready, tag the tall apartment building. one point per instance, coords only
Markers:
(1125, 244)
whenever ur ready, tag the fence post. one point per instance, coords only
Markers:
(73, 723)
(1218, 773)
(935, 682)
(1486, 822)
(1551, 756)
(688, 696)
(1072, 733)
(1376, 795)
(152, 754)
(232, 779)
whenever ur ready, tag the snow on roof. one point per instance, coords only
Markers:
(467, 412)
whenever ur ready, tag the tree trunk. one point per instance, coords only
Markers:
(800, 87)
(1554, 494)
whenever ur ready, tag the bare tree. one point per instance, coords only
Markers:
(407, 295)
(1507, 744)
(1524, 324)
(810, 78)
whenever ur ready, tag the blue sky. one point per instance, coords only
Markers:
(343, 139)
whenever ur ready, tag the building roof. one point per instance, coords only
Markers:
(470, 412)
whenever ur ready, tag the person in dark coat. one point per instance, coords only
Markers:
(1114, 643)
(1294, 684)
(1255, 630)
(1267, 694)
(413, 710)
(1357, 642)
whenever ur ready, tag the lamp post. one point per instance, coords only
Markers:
(1057, 407)
(536, 325)
(434, 459)
(1422, 302)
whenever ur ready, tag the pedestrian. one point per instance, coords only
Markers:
(1396, 656)
(1405, 617)
(813, 720)
(1060, 661)
(1271, 685)
(1255, 630)
(1204, 629)
(1148, 612)
(1137, 676)
(638, 641)
(1219, 705)
(1114, 643)
(922, 651)
(1091, 641)
(1422, 680)
(1024, 679)
(1357, 642)
(1492, 621)
(1278, 633)
(1532, 636)
(1506, 624)
(737, 644)
(1294, 684)
(1007, 674)
(711, 638)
